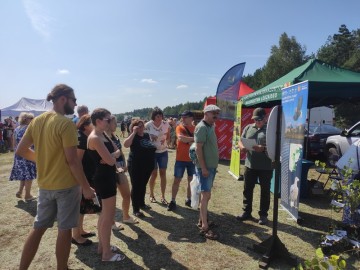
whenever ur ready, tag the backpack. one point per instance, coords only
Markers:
(192, 152)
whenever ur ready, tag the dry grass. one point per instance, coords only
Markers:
(170, 240)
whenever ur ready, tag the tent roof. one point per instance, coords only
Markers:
(328, 85)
(35, 106)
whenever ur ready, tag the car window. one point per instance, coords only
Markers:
(355, 132)
(329, 129)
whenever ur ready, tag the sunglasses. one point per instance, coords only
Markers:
(259, 120)
(107, 120)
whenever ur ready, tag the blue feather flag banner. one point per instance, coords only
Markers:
(228, 91)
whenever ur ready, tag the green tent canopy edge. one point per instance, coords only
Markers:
(328, 85)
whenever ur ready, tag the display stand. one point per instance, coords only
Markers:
(273, 247)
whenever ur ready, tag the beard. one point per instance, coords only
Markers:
(68, 109)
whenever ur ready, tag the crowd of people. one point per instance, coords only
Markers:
(7, 134)
(79, 165)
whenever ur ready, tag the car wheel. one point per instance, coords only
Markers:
(332, 156)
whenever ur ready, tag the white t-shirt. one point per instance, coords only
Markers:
(161, 134)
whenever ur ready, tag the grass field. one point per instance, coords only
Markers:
(171, 240)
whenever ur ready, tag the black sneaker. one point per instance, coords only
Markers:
(263, 220)
(188, 202)
(171, 206)
(244, 216)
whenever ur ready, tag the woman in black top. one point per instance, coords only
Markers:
(84, 127)
(141, 163)
(104, 153)
(122, 181)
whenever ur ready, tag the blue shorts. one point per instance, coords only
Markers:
(161, 160)
(180, 167)
(206, 183)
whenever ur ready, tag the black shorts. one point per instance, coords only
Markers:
(105, 187)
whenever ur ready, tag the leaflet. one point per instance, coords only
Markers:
(248, 143)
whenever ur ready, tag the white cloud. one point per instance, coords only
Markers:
(39, 18)
(182, 86)
(148, 81)
(63, 71)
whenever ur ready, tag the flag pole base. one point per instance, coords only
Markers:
(273, 248)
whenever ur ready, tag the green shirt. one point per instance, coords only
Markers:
(205, 134)
(257, 160)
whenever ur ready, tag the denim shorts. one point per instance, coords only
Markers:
(206, 183)
(161, 160)
(180, 167)
(62, 205)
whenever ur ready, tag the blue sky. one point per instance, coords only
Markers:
(126, 55)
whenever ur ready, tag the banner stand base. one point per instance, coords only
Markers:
(239, 178)
(273, 248)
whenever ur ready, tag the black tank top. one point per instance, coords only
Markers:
(103, 172)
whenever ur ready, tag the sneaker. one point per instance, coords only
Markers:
(188, 202)
(171, 206)
(244, 216)
(263, 220)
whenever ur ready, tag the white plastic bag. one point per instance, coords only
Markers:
(195, 191)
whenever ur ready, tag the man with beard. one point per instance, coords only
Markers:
(59, 174)
(207, 161)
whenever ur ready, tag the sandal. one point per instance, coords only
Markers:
(211, 224)
(32, 198)
(209, 234)
(152, 199)
(119, 227)
(131, 220)
(163, 201)
(112, 248)
(115, 258)
(18, 194)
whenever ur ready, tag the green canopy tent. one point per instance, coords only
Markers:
(328, 85)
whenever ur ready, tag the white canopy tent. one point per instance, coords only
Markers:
(35, 106)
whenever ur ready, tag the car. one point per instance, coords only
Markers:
(336, 146)
(315, 139)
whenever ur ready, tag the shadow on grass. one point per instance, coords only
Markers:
(231, 232)
(89, 257)
(30, 207)
(155, 256)
(317, 201)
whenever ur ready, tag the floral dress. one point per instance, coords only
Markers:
(22, 169)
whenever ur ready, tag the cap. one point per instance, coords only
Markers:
(258, 113)
(187, 114)
(211, 108)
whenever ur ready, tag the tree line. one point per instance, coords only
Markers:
(341, 49)
(169, 111)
